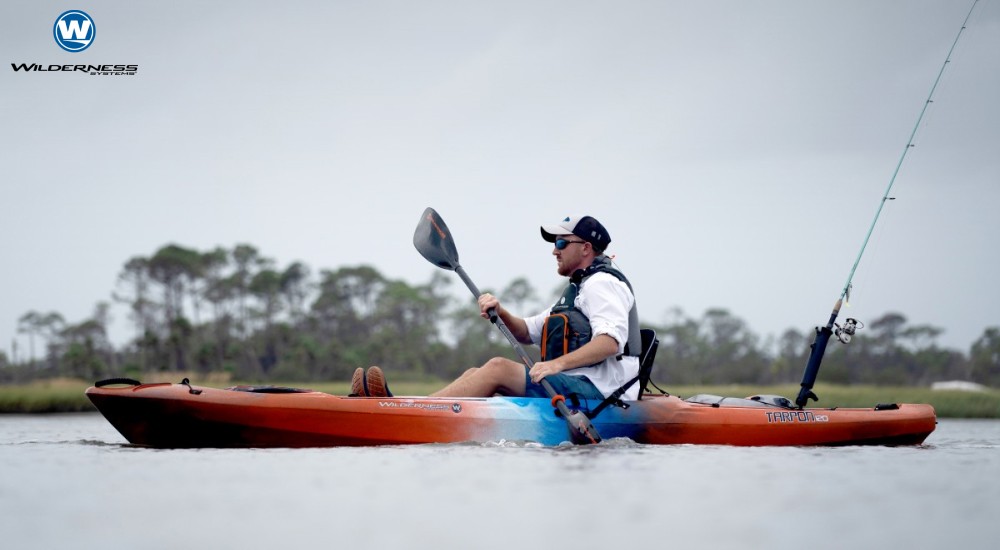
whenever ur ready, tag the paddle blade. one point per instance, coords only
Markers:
(434, 242)
(581, 431)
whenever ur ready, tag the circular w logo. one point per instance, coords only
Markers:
(74, 31)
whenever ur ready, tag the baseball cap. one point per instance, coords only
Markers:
(585, 227)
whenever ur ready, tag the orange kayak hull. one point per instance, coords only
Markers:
(179, 415)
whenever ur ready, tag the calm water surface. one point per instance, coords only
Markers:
(70, 481)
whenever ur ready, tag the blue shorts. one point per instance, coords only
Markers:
(565, 385)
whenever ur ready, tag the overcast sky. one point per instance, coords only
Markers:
(736, 150)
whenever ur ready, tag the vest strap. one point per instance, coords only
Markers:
(602, 264)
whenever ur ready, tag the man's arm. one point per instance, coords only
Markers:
(516, 324)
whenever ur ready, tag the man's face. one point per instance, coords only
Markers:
(572, 256)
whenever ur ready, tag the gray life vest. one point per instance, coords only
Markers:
(567, 329)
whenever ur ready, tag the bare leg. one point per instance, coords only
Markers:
(498, 375)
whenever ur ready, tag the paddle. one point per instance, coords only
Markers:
(435, 243)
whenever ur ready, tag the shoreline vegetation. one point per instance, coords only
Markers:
(236, 312)
(64, 395)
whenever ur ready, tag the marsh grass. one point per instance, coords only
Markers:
(55, 395)
(66, 395)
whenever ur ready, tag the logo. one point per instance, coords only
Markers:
(74, 31)
(456, 408)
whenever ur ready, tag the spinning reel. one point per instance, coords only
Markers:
(844, 333)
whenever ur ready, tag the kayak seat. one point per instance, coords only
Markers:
(646, 357)
(650, 343)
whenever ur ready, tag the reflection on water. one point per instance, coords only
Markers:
(69, 481)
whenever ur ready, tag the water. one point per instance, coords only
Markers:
(70, 481)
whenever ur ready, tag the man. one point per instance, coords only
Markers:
(584, 336)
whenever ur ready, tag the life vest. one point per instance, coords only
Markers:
(567, 329)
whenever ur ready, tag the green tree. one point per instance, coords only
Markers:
(343, 316)
(680, 356)
(346, 301)
(925, 362)
(266, 288)
(793, 353)
(520, 295)
(294, 286)
(405, 328)
(921, 336)
(246, 261)
(46, 326)
(265, 323)
(86, 350)
(984, 361)
(133, 290)
(886, 331)
(175, 268)
(30, 324)
(219, 291)
(733, 355)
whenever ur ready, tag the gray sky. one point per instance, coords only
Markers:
(736, 150)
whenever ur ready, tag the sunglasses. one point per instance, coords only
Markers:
(563, 243)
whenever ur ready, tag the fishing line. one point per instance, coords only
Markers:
(909, 145)
(845, 333)
(884, 233)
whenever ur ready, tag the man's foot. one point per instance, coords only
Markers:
(358, 383)
(376, 383)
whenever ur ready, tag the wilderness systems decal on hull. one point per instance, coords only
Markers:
(454, 407)
(96, 70)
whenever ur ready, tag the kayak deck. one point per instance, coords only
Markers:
(181, 415)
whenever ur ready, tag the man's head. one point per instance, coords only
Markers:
(578, 240)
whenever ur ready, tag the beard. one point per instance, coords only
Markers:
(564, 269)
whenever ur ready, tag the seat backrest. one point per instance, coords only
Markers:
(646, 357)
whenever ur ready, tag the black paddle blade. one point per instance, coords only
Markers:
(434, 241)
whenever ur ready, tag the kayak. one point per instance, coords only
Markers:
(181, 415)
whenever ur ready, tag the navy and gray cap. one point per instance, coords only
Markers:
(585, 227)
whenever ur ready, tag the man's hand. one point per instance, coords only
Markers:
(542, 369)
(486, 302)
(591, 353)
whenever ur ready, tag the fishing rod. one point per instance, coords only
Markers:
(845, 333)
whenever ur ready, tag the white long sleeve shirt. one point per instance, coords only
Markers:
(606, 302)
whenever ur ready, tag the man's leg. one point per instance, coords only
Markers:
(498, 375)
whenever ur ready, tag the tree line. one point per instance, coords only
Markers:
(238, 312)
